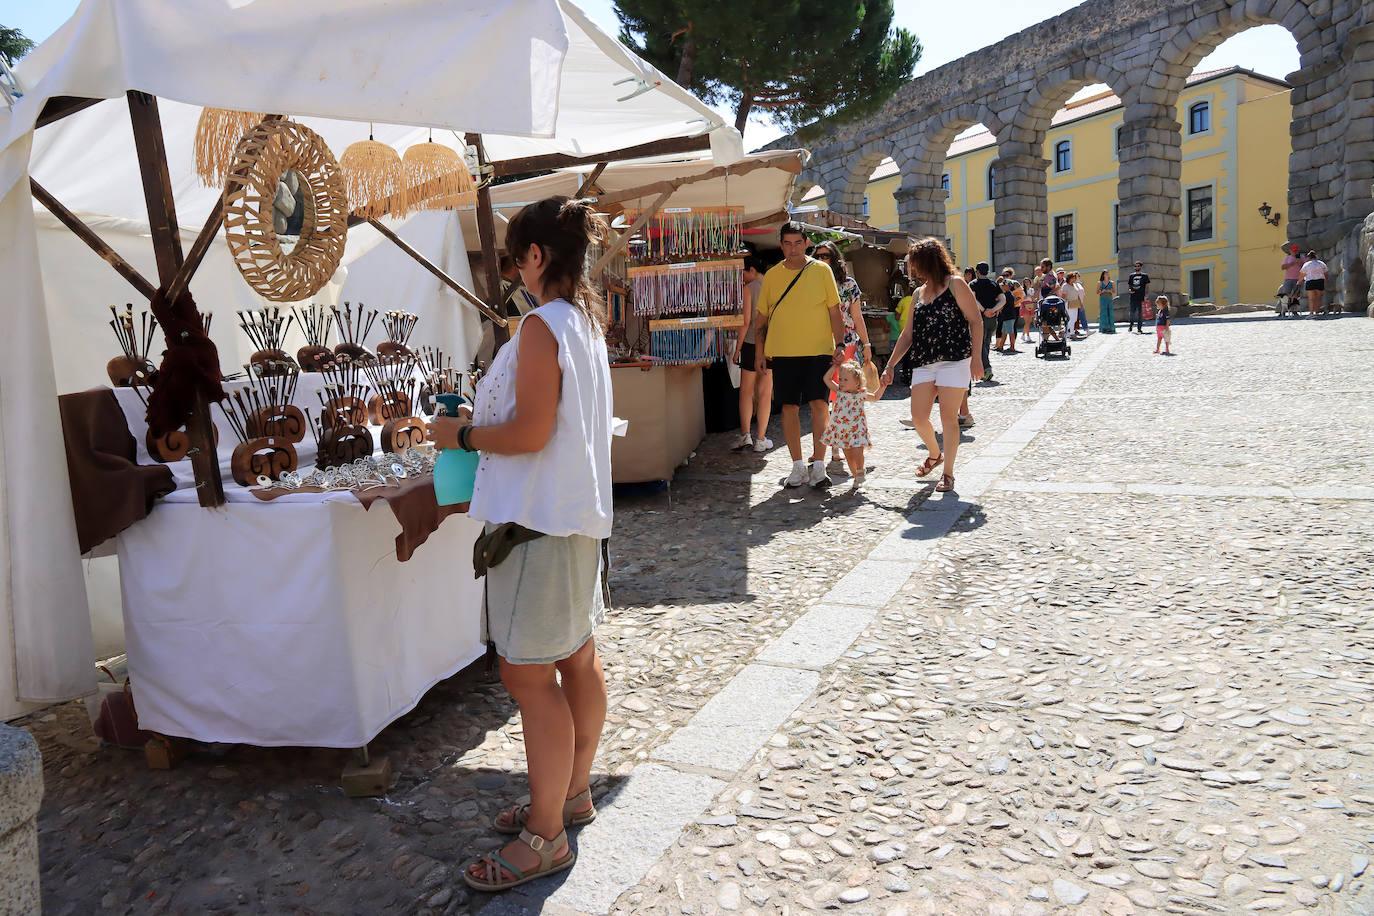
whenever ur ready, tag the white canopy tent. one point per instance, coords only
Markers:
(535, 77)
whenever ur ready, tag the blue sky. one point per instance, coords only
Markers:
(1269, 49)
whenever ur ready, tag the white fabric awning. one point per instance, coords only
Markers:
(533, 77)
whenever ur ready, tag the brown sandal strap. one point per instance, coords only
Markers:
(930, 464)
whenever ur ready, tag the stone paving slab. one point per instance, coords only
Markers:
(728, 730)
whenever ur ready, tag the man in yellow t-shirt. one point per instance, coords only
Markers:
(800, 337)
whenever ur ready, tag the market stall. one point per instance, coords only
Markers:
(673, 283)
(292, 587)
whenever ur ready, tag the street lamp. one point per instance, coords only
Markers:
(1265, 210)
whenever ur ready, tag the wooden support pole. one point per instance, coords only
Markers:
(198, 249)
(486, 233)
(87, 235)
(157, 184)
(552, 161)
(162, 220)
(590, 183)
(625, 236)
(486, 310)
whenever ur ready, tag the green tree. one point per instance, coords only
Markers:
(797, 62)
(13, 45)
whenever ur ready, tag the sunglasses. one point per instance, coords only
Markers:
(823, 256)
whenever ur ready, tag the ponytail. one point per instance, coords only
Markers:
(564, 228)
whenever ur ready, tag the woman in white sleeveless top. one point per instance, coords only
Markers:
(542, 422)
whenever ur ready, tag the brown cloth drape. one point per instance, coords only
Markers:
(110, 490)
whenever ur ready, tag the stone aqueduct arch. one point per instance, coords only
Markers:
(1144, 50)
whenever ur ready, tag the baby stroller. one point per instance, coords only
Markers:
(1286, 302)
(1053, 318)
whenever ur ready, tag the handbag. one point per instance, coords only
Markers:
(1147, 309)
(117, 722)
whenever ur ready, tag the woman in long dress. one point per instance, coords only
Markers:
(1106, 308)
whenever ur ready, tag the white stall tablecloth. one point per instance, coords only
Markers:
(291, 622)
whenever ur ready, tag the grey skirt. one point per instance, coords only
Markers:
(545, 599)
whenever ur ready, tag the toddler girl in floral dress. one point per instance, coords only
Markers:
(848, 427)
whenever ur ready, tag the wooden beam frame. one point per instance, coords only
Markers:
(60, 106)
(448, 281)
(162, 220)
(96, 243)
(590, 183)
(486, 234)
(550, 161)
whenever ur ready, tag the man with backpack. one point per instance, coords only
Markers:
(990, 302)
(800, 337)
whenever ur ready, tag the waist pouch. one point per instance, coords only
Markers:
(492, 547)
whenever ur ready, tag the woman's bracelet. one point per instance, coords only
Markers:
(464, 434)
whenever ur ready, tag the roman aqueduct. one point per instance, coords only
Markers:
(1144, 50)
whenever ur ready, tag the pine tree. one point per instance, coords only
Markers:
(13, 45)
(798, 63)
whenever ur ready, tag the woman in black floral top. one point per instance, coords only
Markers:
(944, 332)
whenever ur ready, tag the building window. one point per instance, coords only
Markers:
(1199, 214)
(1120, 137)
(944, 183)
(1063, 238)
(1200, 284)
(1199, 118)
(949, 246)
(992, 182)
(992, 245)
(1063, 156)
(865, 206)
(1116, 228)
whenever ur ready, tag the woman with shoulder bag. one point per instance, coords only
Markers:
(542, 422)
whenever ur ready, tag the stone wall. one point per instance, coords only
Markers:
(1144, 50)
(21, 791)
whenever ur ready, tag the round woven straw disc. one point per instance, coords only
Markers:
(269, 151)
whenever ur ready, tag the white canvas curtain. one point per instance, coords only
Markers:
(532, 76)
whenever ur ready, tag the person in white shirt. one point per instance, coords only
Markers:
(542, 422)
(1314, 282)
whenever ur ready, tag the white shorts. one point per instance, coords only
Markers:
(950, 374)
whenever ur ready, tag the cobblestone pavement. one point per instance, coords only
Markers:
(1129, 670)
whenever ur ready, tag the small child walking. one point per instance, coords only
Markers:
(848, 428)
(1163, 331)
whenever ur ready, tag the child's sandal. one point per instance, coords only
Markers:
(578, 811)
(494, 865)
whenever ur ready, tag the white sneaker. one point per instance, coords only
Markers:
(763, 445)
(819, 477)
(798, 475)
(743, 442)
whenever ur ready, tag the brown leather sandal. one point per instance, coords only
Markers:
(931, 463)
(946, 483)
(578, 811)
(494, 864)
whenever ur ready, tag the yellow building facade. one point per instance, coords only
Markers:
(1235, 159)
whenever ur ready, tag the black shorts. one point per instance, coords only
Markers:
(747, 355)
(799, 380)
(1315, 284)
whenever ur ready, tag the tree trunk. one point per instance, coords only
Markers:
(689, 59)
(746, 105)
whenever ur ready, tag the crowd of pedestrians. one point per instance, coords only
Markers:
(806, 343)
